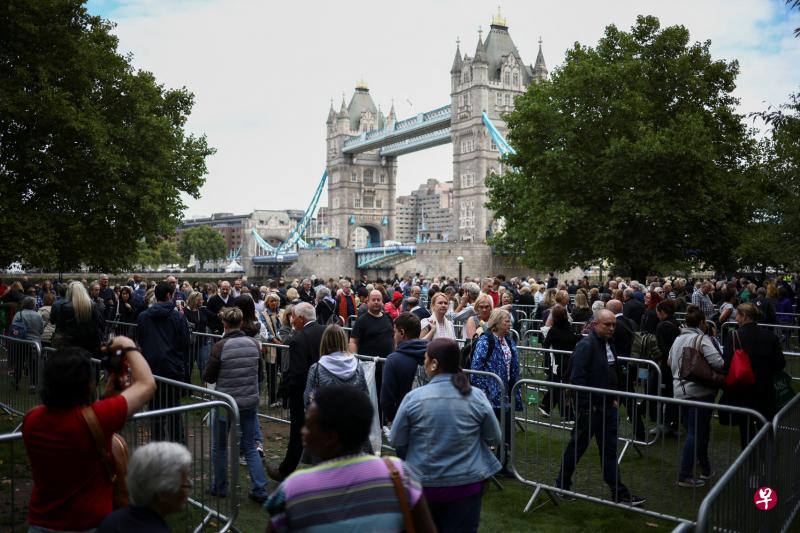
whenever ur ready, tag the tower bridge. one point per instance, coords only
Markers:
(363, 146)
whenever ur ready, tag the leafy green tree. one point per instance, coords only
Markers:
(167, 253)
(770, 239)
(205, 243)
(93, 154)
(631, 152)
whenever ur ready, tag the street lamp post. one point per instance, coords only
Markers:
(460, 260)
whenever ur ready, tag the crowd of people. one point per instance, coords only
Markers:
(446, 427)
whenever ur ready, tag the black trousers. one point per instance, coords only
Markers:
(297, 418)
(602, 425)
(169, 427)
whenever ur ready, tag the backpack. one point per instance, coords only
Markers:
(645, 346)
(469, 349)
(19, 330)
(420, 378)
(334, 318)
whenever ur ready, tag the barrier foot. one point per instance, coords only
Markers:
(625, 449)
(532, 499)
(497, 482)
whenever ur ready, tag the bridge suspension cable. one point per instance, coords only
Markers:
(296, 236)
(499, 141)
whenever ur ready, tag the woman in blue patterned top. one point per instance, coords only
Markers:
(496, 352)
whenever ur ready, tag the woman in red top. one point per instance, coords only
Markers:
(393, 308)
(71, 488)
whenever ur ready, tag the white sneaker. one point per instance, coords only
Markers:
(544, 413)
(242, 460)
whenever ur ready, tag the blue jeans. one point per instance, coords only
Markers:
(698, 426)
(219, 452)
(460, 516)
(203, 350)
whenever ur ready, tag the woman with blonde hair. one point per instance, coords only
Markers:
(582, 311)
(438, 325)
(483, 308)
(78, 321)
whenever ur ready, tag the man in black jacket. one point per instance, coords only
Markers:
(215, 305)
(303, 352)
(632, 308)
(165, 339)
(594, 364)
(402, 365)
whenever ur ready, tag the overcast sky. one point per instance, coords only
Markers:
(263, 73)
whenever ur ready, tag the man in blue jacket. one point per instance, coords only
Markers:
(165, 341)
(594, 364)
(401, 365)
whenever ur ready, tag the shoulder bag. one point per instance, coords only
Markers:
(116, 465)
(694, 367)
(402, 497)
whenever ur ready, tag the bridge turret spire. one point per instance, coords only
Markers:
(539, 68)
(458, 63)
(480, 50)
(331, 114)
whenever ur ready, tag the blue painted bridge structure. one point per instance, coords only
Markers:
(422, 131)
(383, 256)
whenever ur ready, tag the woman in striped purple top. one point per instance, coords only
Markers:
(348, 490)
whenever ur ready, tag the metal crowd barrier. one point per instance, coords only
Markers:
(786, 457)
(21, 371)
(787, 334)
(115, 328)
(537, 455)
(730, 504)
(217, 511)
(15, 483)
(641, 376)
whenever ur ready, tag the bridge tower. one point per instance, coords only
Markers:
(488, 81)
(361, 187)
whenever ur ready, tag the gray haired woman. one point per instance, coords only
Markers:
(158, 484)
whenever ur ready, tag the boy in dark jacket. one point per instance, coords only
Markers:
(402, 364)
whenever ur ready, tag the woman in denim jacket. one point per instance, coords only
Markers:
(503, 361)
(443, 430)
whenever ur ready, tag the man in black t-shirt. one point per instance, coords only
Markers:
(373, 334)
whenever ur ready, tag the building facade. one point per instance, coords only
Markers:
(361, 188)
(426, 214)
(488, 81)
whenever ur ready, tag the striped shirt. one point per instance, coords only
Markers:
(353, 493)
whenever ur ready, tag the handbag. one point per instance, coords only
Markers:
(782, 384)
(694, 366)
(117, 464)
(740, 374)
(402, 497)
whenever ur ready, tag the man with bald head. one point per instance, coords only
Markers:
(624, 331)
(373, 334)
(594, 364)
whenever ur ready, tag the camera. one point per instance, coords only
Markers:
(112, 360)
